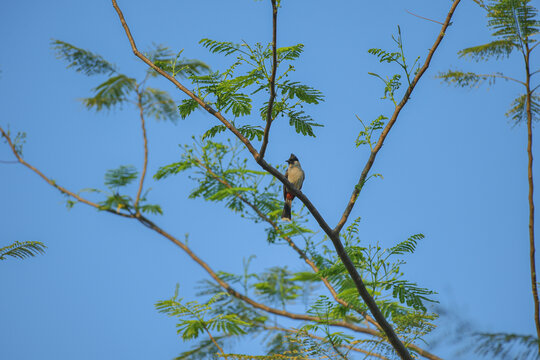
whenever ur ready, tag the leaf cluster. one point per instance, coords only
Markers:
(231, 91)
(514, 25)
(22, 250)
(118, 89)
(393, 83)
(221, 174)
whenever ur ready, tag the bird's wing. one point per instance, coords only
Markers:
(284, 188)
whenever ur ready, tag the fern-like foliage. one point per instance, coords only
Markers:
(82, 60)
(22, 250)
(118, 89)
(514, 25)
(506, 346)
(121, 176)
(168, 61)
(192, 317)
(159, 104)
(113, 91)
(231, 91)
(277, 286)
(467, 79)
(393, 83)
(498, 49)
(518, 111)
(222, 175)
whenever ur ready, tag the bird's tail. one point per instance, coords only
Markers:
(286, 214)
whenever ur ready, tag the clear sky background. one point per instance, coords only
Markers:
(454, 169)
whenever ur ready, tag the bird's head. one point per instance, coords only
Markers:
(292, 159)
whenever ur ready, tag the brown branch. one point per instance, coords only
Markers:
(231, 291)
(502, 77)
(393, 119)
(215, 342)
(333, 234)
(269, 119)
(182, 88)
(145, 164)
(530, 198)
(303, 255)
(291, 243)
(53, 183)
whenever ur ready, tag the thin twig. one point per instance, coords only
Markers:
(393, 119)
(52, 182)
(145, 164)
(272, 84)
(530, 197)
(421, 17)
(503, 77)
(215, 342)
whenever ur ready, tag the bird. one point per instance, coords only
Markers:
(296, 176)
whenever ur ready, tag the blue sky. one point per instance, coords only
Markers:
(454, 169)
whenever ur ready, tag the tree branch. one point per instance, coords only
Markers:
(145, 164)
(530, 198)
(269, 119)
(333, 234)
(393, 119)
(291, 243)
(231, 291)
(52, 182)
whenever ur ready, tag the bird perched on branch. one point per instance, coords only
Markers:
(296, 176)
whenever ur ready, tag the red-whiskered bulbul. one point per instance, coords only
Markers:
(295, 175)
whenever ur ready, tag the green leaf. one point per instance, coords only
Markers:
(304, 93)
(220, 47)
(172, 169)
(213, 131)
(187, 107)
(513, 20)
(121, 176)
(82, 60)
(407, 246)
(152, 209)
(289, 52)
(411, 294)
(158, 104)
(22, 250)
(518, 110)
(252, 132)
(303, 124)
(227, 192)
(114, 91)
(466, 79)
(497, 49)
(385, 56)
(169, 62)
(237, 103)
(116, 202)
(505, 345)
